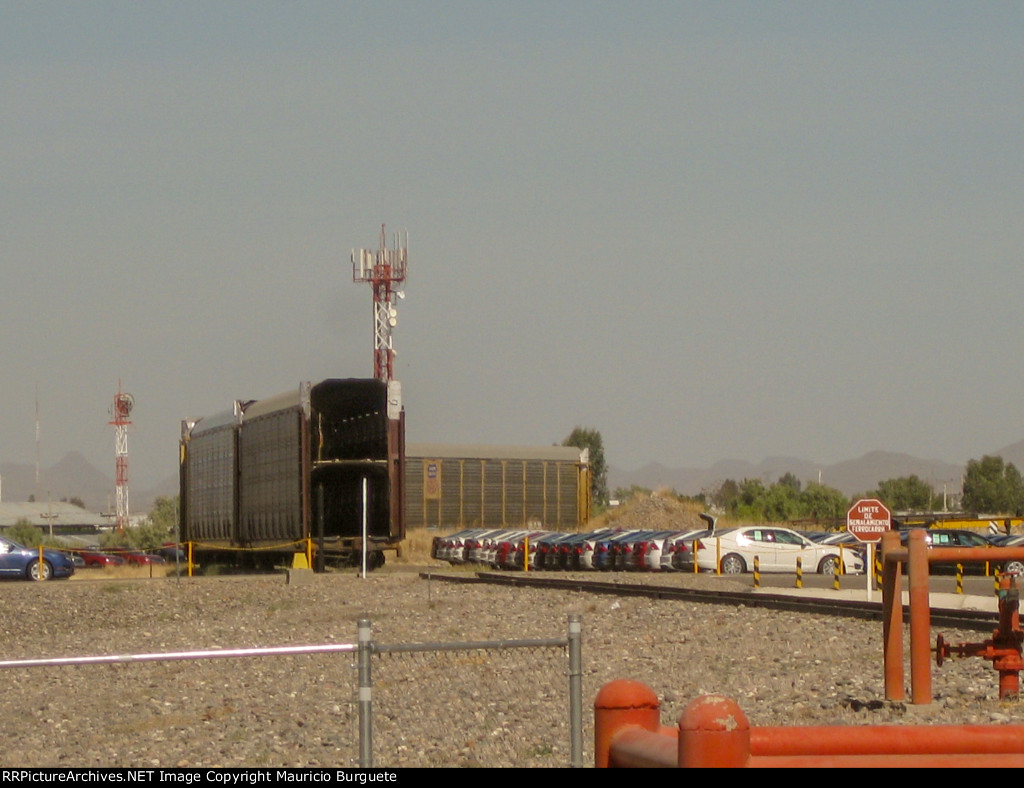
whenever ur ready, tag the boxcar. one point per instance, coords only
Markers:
(470, 486)
(323, 463)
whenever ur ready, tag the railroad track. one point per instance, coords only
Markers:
(956, 619)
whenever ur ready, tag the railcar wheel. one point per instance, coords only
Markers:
(733, 564)
(375, 560)
(40, 570)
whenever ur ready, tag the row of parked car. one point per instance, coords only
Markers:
(19, 561)
(732, 550)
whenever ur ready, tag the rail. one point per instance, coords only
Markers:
(713, 731)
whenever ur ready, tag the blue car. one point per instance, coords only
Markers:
(23, 562)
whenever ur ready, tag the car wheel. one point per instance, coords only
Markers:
(828, 566)
(1014, 567)
(733, 565)
(40, 570)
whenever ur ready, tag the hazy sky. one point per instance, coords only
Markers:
(709, 230)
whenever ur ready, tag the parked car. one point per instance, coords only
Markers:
(76, 559)
(584, 560)
(952, 537)
(453, 547)
(547, 550)
(622, 550)
(679, 550)
(95, 559)
(24, 562)
(509, 553)
(567, 552)
(172, 553)
(526, 548)
(776, 549)
(1016, 565)
(137, 557)
(649, 552)
(605, 549)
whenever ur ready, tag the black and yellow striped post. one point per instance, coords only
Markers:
(757, 572)
(995, 574)
(878, 568)
(959, 578)
(799, 572)
(836, 573)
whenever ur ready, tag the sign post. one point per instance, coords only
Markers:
(866, 521)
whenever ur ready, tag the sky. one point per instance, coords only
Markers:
(708, 230)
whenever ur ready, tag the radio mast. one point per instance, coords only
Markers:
(120, 410)
(384, 270)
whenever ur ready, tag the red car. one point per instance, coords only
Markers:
(94, 559)
(138, 557)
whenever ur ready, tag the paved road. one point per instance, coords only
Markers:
(975, 585)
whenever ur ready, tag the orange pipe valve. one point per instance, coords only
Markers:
(1004, 648)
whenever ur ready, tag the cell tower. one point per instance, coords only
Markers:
(120, 410)
(384, 270)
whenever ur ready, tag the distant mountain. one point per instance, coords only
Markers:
(850, 477)
(75, 477)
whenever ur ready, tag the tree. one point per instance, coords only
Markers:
(24, 533)
(590, 439)
(160, 527)
(821, 502)
(905, 494)
(994, 487)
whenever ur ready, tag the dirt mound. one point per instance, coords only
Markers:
(657, 511)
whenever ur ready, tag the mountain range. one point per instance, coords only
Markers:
(75, 477)
(851, 477)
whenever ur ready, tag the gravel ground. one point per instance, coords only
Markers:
(504, 708)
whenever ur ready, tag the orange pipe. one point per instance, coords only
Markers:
(714, 732)
(887, 740)
(933, 761)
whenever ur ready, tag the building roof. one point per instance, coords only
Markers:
(44, 513)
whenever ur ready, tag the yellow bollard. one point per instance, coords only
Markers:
(959, 578)
(799, 572)
(757, 572)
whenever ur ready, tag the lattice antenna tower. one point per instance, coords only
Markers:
(120, 410)
(385, 270)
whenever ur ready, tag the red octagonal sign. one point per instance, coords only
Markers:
(868, 519)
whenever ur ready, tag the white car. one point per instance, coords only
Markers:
(776, 549)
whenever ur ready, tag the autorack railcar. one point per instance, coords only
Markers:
(323, 463)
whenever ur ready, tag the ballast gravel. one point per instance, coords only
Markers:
(492, 708)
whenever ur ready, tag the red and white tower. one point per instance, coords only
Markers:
(384, 270)
(120, 410)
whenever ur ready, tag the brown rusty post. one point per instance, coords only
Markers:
(892, 618)
(920, 618)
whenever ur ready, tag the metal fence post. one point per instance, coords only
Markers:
(575, 691)
(365, 695)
